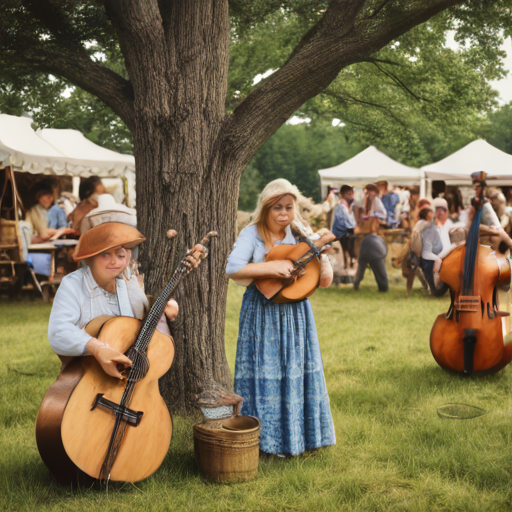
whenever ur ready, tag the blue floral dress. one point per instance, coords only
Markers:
(279, 369)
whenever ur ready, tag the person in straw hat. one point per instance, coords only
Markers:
(278, 367)
(103, 287)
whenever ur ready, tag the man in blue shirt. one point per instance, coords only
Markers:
(345, 222)
(389, 200)
(57, 217)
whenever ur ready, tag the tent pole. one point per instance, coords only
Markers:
(76, 185)
(423, 185)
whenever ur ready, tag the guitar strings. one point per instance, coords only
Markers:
(140, 365)
(139, 369)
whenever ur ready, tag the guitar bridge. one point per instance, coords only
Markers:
(129, 415)
(468, 304)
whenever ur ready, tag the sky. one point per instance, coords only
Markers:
(504, 87)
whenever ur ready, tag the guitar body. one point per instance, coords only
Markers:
(282, 290)
(71, 435)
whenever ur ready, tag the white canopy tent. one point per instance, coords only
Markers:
(478, 155)
(60, 152)
(369, 166)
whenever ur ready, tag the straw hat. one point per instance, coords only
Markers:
(440, 202)
(274, 189)
(107, 236)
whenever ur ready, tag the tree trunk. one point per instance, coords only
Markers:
(187, 186)
(194, 206)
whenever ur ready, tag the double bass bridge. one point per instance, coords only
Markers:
(468, 303)
(131, 417)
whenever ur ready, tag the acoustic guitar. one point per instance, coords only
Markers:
(93, 425)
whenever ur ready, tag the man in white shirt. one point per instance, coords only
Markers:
(443, 222)
(489, 217)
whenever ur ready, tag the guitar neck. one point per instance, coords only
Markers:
(156, 311)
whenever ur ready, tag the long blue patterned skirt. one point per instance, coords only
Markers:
(279, 373)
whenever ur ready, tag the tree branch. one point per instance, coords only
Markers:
(338, 18)
(349, 98)
(378, 9)
(346, 98)
(382, 61)
(111, 88)
(338, 40)
(142, 41)
(399, 82)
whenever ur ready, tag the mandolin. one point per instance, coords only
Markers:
(93, 425)
(305, 275)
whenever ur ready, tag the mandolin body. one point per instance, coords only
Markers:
(282, 290)
(71, 437)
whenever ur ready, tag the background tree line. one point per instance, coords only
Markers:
(417, 106)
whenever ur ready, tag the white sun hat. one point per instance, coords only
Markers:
(110, 211)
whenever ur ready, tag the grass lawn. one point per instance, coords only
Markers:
(393, 452)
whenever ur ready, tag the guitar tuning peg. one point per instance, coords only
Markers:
(171, 233)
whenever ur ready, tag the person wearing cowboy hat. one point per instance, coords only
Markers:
(103, 286)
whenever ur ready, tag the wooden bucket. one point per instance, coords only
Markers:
(228, 450)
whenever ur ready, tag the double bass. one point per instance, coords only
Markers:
(305, 274)
(468, 339)
(94, 426)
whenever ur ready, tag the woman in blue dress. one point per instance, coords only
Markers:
(279, 369)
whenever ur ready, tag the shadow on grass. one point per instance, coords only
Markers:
(27, 484)
(382, 391)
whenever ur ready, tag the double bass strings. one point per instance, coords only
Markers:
(471, 253)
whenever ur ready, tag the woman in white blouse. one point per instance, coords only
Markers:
(102, 287)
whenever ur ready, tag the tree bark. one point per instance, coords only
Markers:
(179, 76)
(195, 205)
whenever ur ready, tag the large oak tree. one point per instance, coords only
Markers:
(191, 144)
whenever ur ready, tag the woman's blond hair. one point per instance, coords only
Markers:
(272, 194)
